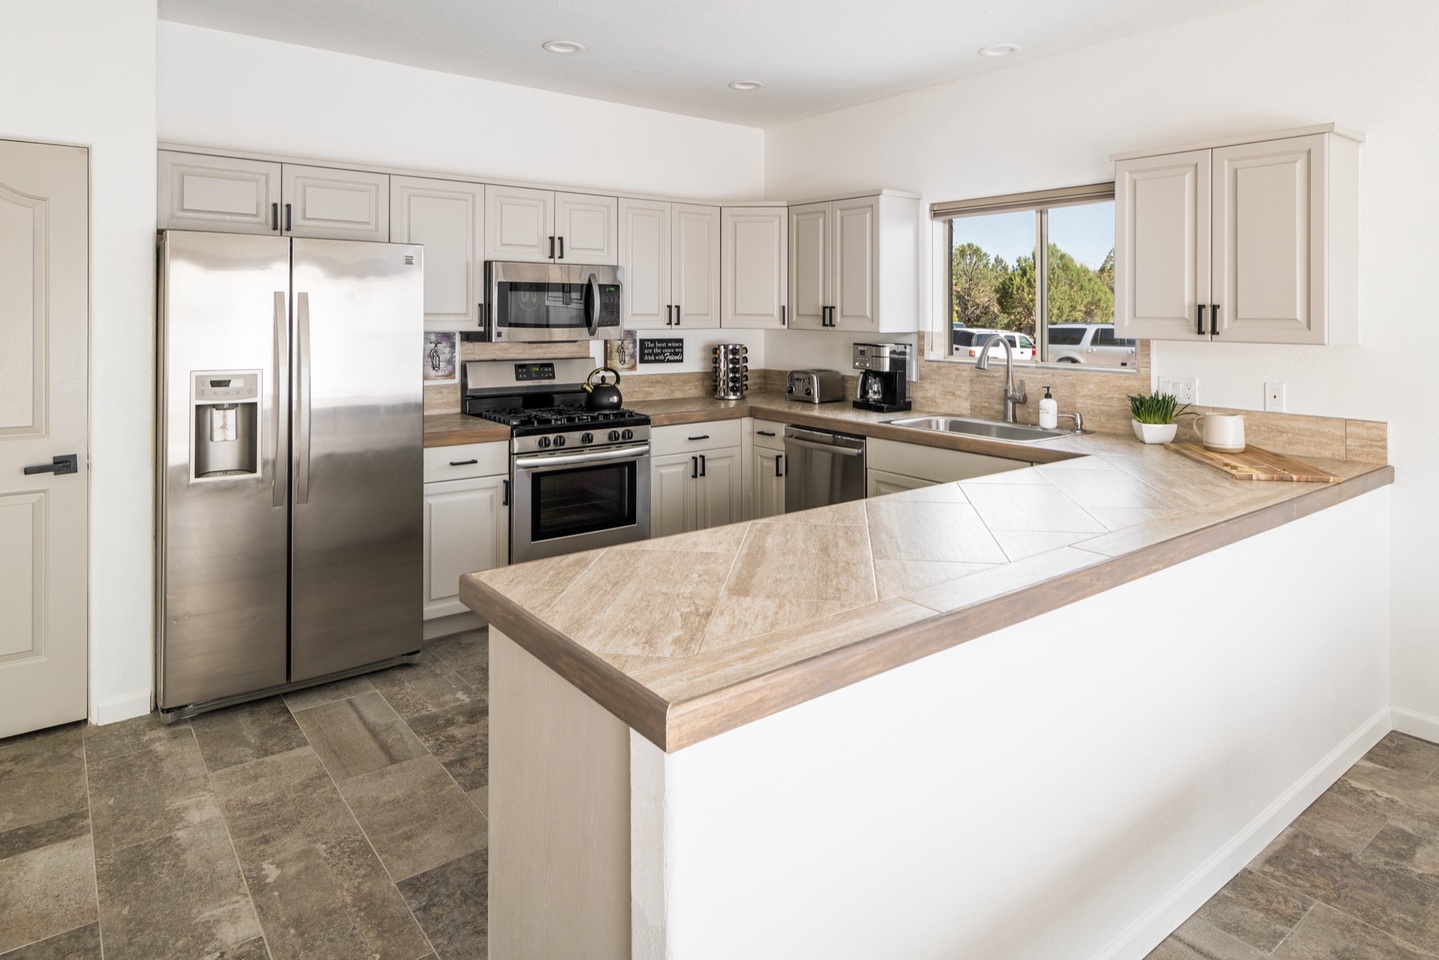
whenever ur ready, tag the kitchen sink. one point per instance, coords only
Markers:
(974, 427)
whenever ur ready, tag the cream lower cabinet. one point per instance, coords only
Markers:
(231, 195)
(466, 518)
(767, 469)
(696, 479)
(891, 467)
(1245, 242)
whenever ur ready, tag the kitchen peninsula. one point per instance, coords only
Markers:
(1041, 714)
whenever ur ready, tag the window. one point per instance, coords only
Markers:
(1038, 267)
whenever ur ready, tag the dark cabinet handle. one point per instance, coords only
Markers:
(702, 464)
(1214, 319)
(505, 499)
(779, 464)
(65, 463)
(783, 315)
(669, 315)
(289, 224)
(275, 217)
(677, 314)
(562, 248)
(1200, 331)
(703, 436)
(694, 468)
(765, 433)
(462, 463)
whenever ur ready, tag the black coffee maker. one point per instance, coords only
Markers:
(884, 376)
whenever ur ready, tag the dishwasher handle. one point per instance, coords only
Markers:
(838, 443)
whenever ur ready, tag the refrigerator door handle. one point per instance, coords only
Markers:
(281, 483)
(302, 398)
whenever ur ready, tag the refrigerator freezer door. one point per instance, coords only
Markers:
(223, 403)
(356, 560)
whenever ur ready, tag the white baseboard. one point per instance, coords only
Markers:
(1190, 894)
(1416, 724)
(455, 623)
(115, 709)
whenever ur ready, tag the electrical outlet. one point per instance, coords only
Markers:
(1273, 396)
(1185, 389)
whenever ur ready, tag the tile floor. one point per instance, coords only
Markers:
(338, 823)
(347, 822)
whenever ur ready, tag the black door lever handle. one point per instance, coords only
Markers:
(65, 463)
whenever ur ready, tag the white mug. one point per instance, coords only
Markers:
(1223, 432)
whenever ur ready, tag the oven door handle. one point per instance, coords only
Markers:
(541, 460)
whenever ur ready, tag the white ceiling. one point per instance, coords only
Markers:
(814, 56)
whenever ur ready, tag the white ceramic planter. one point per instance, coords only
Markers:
(1154, 432)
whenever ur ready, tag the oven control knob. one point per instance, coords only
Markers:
(614, 436)
(542, 442)
(587, 438)
(627, 434)
(559, 441)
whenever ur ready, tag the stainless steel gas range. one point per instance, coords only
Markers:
(579, 478)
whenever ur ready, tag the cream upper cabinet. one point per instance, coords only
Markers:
(1245, 242)
(670, 256)
(448, 217)
(541, 226)
(853, 264)
(231, 195)
(754, 267)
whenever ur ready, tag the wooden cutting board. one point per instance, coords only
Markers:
(1255, 464)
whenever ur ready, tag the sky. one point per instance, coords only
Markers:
(1084, 232)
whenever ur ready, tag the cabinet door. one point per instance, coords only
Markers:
(519, 224)
(645, 257)
(1269, 240)
(696, 265)
(335, 204)
(879, 482)
(754, 268)
(1162, 246)
(448, 218)
(767, 483)
(467, 528)
(720, 491)
(854, 227)
(672, 480)
(586, 229)
(809, 265)
(218, 193)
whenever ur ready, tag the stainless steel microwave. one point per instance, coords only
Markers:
(532, 302)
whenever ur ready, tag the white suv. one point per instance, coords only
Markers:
(963, 340)
(1093, 343)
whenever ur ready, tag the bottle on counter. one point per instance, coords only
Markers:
(1048, 411)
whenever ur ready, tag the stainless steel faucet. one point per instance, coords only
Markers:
(1010, 396)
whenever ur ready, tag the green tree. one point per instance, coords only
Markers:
(1078, 294)
(974, 278)
(1017, 297)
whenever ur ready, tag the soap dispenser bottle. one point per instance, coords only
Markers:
(1048, 411)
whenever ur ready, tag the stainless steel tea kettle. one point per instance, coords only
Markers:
(602, 396)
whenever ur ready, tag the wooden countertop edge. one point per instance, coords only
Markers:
(638, 706)
(692, 721)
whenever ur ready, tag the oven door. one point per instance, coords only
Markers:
(566, 502)
(535, 302)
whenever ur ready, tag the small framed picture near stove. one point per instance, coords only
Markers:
(622, 353)
(442, 355)
(662, 350)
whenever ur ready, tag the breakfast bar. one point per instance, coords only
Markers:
(1039, 714)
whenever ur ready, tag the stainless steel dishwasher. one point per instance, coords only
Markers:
(822, 467)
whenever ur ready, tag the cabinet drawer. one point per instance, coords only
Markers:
(769, 434)
(935, 464)
(467, 460)
(687, 437)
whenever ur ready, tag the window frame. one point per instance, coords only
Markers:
(1039, 202)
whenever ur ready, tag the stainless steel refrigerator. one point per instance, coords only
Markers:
(290, 446)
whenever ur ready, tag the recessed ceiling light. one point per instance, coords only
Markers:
(999, 50)
(563, 46)
(745, 84)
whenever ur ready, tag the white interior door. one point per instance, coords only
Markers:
(44, 246)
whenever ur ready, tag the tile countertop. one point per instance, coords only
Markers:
(689, 636)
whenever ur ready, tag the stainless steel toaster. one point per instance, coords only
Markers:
(815, 386)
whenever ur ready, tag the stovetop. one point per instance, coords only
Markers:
(567, 427)
(529, 420)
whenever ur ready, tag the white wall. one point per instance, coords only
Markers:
(1280, 64)
(83, 72)
(225, 90)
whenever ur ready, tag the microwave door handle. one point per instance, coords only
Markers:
(592, 305)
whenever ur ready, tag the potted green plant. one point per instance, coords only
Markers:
(1154, 415)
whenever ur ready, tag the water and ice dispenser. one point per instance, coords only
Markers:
(227, 423)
